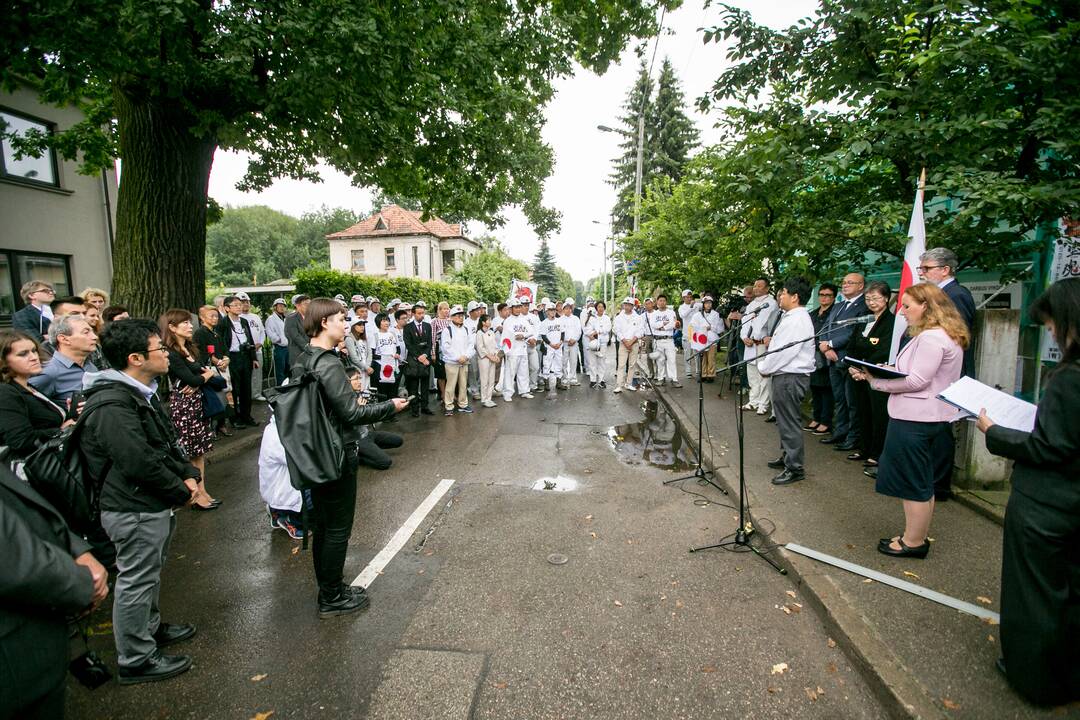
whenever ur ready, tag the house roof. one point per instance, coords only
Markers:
(395, 220)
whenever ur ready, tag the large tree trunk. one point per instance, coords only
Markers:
(159, 254)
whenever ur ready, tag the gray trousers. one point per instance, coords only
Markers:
(142, 542)
(474, 376)
(788, 392)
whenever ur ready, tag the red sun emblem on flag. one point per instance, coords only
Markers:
(388, 371)
(507, 343)
(700, 338)
(524, 293)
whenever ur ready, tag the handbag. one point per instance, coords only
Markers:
(314, 448)
(58, 473)
(212, 402)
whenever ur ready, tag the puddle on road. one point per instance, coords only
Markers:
(655, 441)
(559, 483)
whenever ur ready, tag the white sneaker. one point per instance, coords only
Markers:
(617, 390)
(574, 382)
(762, 411)
(748, 406)
(488, 404)
(507, 399)
(528, 395)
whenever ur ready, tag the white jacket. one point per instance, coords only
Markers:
(274, 485)
(601, 325)
(627, 326)
(456, 342)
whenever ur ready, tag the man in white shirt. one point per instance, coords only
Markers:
(663, 321)
(275, 330)
(258, 333)
(472, 311)
(456, 347)
(789, 370)
(571, 350)
(516, 332)
(628, 335)
(752, 334)
(532, 345)
(685, 310)
(553, 338)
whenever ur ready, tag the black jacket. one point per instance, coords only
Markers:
(873, 348)
(187, 372)
(298, 339)
(31, 321)
(225, 332)
(417, 344)
(341, 399)
(40, 584)
(1047, 467)
(133, 442)
(206, 338)
(965, 305)
(25, 419)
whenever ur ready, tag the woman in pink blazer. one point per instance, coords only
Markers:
(919, 444)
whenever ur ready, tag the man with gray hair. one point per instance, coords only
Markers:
(938, 266)
(74, 340)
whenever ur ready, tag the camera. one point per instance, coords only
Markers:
(90, 670)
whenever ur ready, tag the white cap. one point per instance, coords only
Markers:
(298, 297)
(628, 300)
(473, 305)
(278, 301)
(339, 296)
(513, 302)
(404, 306)
(395, 301)
(568, 301)
(457, 310)
(357, 299)
(545, 300)
(707, 298)
(688, 291)
(420, 304)
(243, 296)
(373, 299)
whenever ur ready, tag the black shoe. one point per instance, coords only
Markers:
(777, 464)
(349, 600)
(168, 634)
(943, 495)
(592, 384)
(415, 412)
(158, 667)
(857, 455)
(787, 477)
(829, 440)
(870, 472)
(844, 447)
(918, 552)
(603, 384)
(225, 432)
(770, 419)
(203, 508)
(427, 411)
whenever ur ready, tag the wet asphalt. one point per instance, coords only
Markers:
(470, 619)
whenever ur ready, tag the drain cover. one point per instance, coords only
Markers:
(557, 559)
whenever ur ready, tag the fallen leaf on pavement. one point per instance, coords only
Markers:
(786, 609)
(499, 685)
(709, 669)
(593, 535)
(990, 621)
(678, 603)
(663, 597)
(911, 575)
(588, 517)
(629, 542)
(991, 638)
(772, 690)
(262, 716)
(831, 643)
(985, 600)
(618, 604)
(296, 550)
(791, 593)
(850, 546)
(257, 678)
(810, 694)
(949, 704)
(779, 668)
(868, 580)
(831, 667)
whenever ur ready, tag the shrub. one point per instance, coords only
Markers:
(328, 283)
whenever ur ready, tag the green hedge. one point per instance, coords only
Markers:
(328, 283)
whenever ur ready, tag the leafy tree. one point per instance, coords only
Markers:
(433, 99)
(669, 137)
(489, 273)
(253, 244)
(544, 271)
(565, 286)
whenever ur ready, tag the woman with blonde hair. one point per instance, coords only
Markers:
(95, 297)
(438, 324)
(919, 443)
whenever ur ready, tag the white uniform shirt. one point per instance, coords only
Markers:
(754, 328)
(627, 326)
(662, 322)
(385, 347)
(534, 325)
(552, 329)
(572, 327)
(798, 359)
(258, 332)
(601, 325)
(456, 342)
(685, 311)
(514, 326)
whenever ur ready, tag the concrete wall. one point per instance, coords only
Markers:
(69, 220)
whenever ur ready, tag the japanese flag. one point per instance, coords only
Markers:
(388, 371)
(507, 343)
(699, 338)
(909, 276)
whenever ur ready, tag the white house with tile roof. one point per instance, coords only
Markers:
(395, 242)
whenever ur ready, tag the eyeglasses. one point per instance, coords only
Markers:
(826, 294)
(924, 268)
(160, 348)
(47, 291)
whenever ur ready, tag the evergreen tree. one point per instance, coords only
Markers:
(544, 273)
(669, 137)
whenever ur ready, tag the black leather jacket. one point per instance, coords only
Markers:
(345, 413)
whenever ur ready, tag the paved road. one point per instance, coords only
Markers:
(470, 620)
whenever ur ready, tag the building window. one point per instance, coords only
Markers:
(41, 169)
(416, 261)
(449, 258)
(357, 261)
(390, 264)
(19, 268)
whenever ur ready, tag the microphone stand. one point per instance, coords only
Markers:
(741, 537)
(700, 473)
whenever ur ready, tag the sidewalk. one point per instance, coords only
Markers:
(927, 660)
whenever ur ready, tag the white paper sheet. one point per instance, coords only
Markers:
(971, 395)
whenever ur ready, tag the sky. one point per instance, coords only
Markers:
(583, 154)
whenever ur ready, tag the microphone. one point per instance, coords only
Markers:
(854, 321)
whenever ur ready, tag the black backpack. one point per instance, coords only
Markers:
(314, 448)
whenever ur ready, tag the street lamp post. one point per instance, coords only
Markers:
(638, 164)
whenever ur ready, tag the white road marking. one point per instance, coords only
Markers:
(380, 561)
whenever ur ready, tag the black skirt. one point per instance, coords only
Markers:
(916, 454)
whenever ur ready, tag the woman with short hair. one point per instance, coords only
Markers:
(93, 297)
(1040, 564)
(919, 442)
(334, 503)
(872, 344)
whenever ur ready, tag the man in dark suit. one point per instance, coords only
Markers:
(34, 317)
(48, 573)
(294, 328)
(418, 346)
(239, 341)
(938, 266)
(833, 345)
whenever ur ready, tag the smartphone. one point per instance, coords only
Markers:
(411, 398)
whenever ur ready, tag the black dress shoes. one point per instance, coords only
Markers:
(844, 447)
(788, 477)
(906, 551)
(777, 464)
(167, 634)
(829, 440)
(770, 419)
(348, 600)
(158, 667)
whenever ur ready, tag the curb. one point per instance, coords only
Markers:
(900, 693)
(973, 501)
(234, 447)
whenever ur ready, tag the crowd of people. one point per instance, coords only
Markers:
(143, 401)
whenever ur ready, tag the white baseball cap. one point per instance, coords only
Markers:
(457, 310)
(568, 301)
(373, 299)
(513, 302)
(628, 300)
(299, 298)
(243, 296)
(395, 301)
(339, 296)
(473, 305)
(278, 301)
(687, 292)
(420, 304)
(357, 299)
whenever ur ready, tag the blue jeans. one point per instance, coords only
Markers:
(281, 363)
